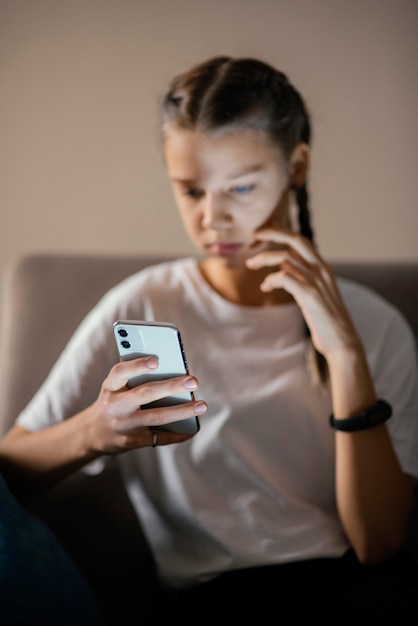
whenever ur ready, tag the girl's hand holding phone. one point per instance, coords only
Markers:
(119, 423)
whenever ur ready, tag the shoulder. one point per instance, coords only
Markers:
(389, 342)
(173, 271)
(371, 312)
(151, 281)
(135, 297)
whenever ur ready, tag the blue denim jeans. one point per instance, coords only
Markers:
(39, 583)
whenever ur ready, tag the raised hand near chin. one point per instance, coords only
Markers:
(297, 268)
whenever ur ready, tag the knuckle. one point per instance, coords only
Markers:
(143, 393)
(317, 270)
(118, 368)
(124, 441)
(112, 410)
(114, 425)
(287, 265)
(154, 418)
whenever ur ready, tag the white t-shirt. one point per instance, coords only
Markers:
(256, 485)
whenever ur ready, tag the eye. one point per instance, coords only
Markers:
(193, 193)
(243, 188)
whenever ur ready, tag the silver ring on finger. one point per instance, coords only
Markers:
(154, 437)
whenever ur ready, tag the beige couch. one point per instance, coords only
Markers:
(44, 298)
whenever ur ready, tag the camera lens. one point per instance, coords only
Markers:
(122, 332)
(126, 344)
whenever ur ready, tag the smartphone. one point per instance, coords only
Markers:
(136, 339)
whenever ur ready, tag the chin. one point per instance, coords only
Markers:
(234, 263)
(237, 261)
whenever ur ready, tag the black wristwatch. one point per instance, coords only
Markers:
(370, 417)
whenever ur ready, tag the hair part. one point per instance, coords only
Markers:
(225, 94)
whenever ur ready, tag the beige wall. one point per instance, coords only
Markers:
(80, 167)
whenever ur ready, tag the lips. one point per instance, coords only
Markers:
(224, 248)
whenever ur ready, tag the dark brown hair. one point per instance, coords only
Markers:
(224, 94)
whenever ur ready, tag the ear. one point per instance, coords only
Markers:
(299, 164)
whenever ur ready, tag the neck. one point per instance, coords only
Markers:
(240, 285)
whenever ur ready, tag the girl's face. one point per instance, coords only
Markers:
(226, 186)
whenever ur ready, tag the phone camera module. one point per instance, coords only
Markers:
(122, 332)
(125, 343)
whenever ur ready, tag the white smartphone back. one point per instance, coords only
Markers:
(136, 339)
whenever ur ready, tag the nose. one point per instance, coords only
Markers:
(215, 212)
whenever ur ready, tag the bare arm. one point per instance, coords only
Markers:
(34, 461)
(373, 495)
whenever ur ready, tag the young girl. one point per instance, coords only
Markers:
(299, 482)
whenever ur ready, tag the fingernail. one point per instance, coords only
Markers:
(200, 407)
(152, 363)
(190, 383)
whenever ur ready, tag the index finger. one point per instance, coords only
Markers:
(122, 371)
(296, 241)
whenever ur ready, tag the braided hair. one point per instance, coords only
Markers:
(226, 94)
(316, 361)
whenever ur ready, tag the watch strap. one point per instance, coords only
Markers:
(368, 418)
